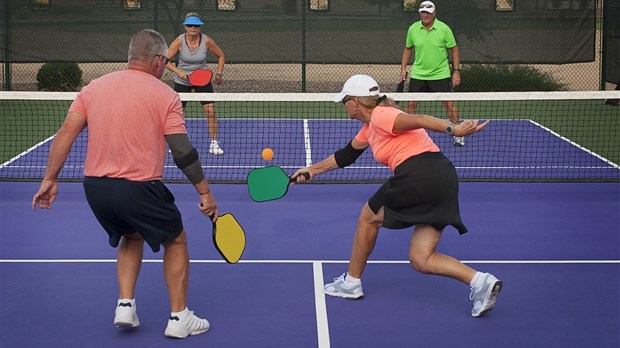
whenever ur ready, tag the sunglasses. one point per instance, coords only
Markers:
(166, 60)
(192, 25)
(345, 100)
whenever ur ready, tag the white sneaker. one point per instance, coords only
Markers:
(338, 289)
(484, 299)
(192, 325)
(215, 148)
(126, 315)
(459, 141)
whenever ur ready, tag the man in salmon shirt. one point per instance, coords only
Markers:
(131, 115)
(423, 192)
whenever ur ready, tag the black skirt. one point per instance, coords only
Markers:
(423, 190)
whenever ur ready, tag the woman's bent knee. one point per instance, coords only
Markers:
(420, 264)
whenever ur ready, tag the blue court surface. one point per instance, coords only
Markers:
(556, 246)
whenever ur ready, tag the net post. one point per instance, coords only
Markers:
(5, 9)
(304, 8)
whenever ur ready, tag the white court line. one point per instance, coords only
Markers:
(576, 145)
(514, 262)
(32, 148)
(307, 144)
(322, 326)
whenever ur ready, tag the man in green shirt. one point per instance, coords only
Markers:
(430, 71)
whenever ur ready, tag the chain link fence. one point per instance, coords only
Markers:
(304, 45)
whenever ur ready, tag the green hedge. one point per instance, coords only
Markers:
(62, 77)
(506, 78)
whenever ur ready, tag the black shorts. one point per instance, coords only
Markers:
(198, 89)
(126, 207)
(423, 190)
(443, 85)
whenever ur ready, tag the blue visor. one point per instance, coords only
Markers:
(193, 21)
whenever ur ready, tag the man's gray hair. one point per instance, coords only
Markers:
(147, 44)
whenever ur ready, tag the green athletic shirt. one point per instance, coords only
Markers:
(431, 50)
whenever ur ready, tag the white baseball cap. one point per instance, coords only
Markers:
(358, 86)
(427, 6)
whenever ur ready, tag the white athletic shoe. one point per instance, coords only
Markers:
(192, 325)
(126, 315)
(484, 299)
(215, 148)
(338, 289)
(459, 141)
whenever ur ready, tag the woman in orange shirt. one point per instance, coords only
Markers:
(423, 192)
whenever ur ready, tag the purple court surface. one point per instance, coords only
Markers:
(556, 246)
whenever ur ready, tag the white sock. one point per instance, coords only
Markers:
(131, 301)
(476, 282)
(350, 281)
(182, 315)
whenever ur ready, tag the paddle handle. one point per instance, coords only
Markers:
(305, 175)
(210, 216)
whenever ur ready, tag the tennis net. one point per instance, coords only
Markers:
(533, 136)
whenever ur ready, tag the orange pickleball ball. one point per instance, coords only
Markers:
(267, 154)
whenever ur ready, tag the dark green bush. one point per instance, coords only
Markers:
(506, 78)
(63, 77)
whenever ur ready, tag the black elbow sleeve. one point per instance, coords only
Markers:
(187, 159)
(347, 155)
(190, 166)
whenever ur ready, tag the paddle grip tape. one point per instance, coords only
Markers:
(347, 155)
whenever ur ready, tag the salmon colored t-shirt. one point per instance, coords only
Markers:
(128, 113)
(388, 147)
